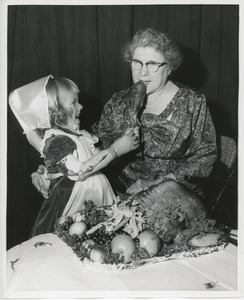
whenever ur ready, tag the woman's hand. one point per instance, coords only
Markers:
(40, 181)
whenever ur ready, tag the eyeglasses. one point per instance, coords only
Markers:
(151, 66)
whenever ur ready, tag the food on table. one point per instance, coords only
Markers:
(161, 206)
(205, 240)
(97, 254)
(78, 228)
(88, 243)
(150, 241)
(123, 235)
(124, 245)
(64, 222)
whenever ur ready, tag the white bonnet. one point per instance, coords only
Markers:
(29, 104)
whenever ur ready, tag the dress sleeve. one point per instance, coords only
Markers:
(103, 128)
(120, 114)
(57, 147)
(202, 152)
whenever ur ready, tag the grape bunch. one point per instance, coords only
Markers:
(98, 237)
(74, 241)
(101, 237)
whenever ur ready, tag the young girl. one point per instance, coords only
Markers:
(48, 110)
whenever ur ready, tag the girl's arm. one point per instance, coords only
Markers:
(121, 146)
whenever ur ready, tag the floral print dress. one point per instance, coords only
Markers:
(180, 140)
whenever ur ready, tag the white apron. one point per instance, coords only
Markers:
(95, 187)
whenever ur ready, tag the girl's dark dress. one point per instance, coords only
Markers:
(60, 189)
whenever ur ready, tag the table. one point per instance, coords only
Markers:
(52, 267)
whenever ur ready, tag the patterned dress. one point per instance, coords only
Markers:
(180, 140)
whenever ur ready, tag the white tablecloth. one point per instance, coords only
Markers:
(53, 268)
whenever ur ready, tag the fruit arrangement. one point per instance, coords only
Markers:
(119, 234)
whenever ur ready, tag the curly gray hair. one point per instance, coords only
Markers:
(160, 41)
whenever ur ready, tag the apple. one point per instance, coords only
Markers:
(88, 243)
(97, 254)
(65, 219)
(124, 245)
(85, 247)
(63, 223)
(150, 241)
(78, 228)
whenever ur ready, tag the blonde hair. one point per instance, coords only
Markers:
(57, 88)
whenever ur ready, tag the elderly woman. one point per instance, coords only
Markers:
(177, 129)
(177, 132)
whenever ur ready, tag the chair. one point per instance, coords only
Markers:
(225, 165)
(222, 176)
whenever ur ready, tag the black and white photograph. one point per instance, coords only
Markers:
(121, 149)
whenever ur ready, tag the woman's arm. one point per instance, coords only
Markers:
(203, 148)
(106, 127)
(119, 114)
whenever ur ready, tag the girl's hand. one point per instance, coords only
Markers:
(137, 131)
(126, 143)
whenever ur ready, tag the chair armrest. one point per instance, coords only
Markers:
(208, 180)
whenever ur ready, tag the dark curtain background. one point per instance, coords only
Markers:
(84, 43)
